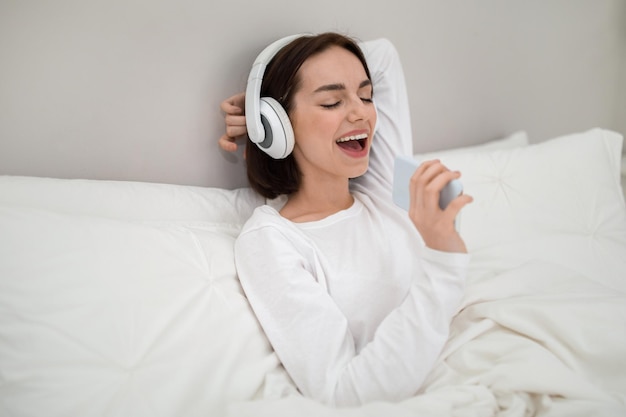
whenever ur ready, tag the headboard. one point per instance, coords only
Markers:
(130, 90)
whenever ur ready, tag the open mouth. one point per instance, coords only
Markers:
(353, 142)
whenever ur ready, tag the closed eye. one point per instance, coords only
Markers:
(331, 106)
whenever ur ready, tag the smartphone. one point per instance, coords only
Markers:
(403, 170)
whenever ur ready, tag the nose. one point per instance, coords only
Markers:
(358, 110)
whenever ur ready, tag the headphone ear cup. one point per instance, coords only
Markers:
(279, 139)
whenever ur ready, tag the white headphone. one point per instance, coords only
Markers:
(266, 120)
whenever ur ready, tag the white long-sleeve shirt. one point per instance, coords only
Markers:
(356, 307)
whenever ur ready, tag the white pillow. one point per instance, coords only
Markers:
(119, 317)
(515, 140)
(547, 201)
(130, 200)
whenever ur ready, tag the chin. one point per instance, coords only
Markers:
(359, 172)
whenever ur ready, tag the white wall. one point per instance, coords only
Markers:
(620, 100)
(130, 89)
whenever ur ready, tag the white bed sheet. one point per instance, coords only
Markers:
(122, 299)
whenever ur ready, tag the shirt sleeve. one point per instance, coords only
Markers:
(393, 134)
(311, 336)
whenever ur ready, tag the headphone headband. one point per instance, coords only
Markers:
(254, 123)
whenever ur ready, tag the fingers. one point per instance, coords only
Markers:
(234, 104)
(235, 125)
(426, 185)
(428, 181)
(458, 203)
(227, 143)
(435, 225)
(235, 120)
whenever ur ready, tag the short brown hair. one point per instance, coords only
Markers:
(273, 177)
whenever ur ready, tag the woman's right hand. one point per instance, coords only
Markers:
(234, 116)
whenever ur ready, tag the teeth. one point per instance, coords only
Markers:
(354, 137)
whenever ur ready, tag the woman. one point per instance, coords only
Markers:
(354, 295)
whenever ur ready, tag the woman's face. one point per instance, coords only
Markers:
(333, 116)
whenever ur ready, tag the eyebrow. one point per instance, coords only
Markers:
(340, 86)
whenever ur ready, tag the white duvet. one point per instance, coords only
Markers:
(542, 330)
(539, 339)
(121, 299)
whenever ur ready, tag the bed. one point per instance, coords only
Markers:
(121, 298)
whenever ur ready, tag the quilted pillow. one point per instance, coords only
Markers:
(103, 314)
(514, 140)
(543, 200)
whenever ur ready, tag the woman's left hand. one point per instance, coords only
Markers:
(434, 224)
